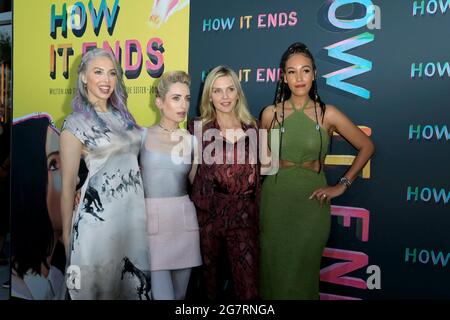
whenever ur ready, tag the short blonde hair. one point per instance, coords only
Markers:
(207, 110)
(170, 78)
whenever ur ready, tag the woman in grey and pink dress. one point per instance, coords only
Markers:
(167, 161)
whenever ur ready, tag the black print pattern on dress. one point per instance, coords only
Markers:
(92, 198)
(144, 287)
(115, 185)
(100, 132)
(91, 138)
(114, 197)
(75, 231)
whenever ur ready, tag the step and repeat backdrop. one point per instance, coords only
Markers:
(383, 63)
(386, 65)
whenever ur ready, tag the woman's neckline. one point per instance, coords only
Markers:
(103, 112)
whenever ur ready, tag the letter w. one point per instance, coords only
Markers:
(440, 257)
(442, 132)
(103, 11)
(227, 24)
(442, 194)
(360, 65)
(445, 6)
(335, 272)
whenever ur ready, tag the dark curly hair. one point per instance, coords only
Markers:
(283, 92)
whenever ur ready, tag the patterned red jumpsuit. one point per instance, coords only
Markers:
(226, 197)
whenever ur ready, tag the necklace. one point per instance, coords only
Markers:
(165, 129)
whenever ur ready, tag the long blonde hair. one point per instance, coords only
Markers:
(207, 109)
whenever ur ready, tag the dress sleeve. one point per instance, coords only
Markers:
(75, 126)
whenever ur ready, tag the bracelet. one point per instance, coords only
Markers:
(345, 181)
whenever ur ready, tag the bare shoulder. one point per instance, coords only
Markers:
(185, 133)
(268, 110)
(332, 113)
(331, 108)
(267, 116)
(69, 139)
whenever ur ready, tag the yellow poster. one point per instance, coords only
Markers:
(147, 37)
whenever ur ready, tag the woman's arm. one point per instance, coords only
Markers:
(193, 172)
(339, 122)
(355, 137)
(266, 120)
(269, 164)
(196, 153)
(70, 153)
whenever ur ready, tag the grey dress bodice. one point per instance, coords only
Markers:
(164, 174)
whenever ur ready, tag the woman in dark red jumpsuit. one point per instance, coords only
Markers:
(226, 189)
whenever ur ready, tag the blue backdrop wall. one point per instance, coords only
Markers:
(386, 65)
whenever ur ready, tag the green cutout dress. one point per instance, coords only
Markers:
(294, 229)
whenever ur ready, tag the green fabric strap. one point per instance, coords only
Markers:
(303, 107)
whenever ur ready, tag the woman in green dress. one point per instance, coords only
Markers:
(295, 203)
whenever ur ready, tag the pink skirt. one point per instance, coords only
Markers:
(173, 233)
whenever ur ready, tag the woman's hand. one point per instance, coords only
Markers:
(325, 194)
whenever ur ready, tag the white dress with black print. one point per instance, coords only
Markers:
(109, 246)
